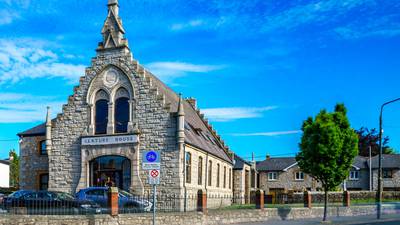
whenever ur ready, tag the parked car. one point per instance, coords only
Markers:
(126, 201)
(48, 202)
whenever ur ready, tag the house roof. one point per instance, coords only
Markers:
(239, 163)
(275, 164)
(198, 132)
(5, 162)
(360, 162)
(388, 161)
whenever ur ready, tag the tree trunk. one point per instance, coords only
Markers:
(326, 204)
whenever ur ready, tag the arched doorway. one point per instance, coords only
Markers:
(115, 170)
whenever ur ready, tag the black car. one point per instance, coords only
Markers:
(48, 202)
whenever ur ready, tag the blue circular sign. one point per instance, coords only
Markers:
(151, 156)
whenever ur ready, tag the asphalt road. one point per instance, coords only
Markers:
(355, 220)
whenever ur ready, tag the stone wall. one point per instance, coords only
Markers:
(214, 217)
(218, 196)
(32, 164)
(361, 183)
(157, 128)
(287, 182)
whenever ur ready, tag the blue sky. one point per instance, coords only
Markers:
(258, 68)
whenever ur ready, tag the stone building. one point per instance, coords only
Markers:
(283, 175)
(118, 110)
(245, 180)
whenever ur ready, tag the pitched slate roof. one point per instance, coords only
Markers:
(34, 131)
(275, 164)
(360, 162)
(239, 163)
(388, 161)
(198, 132)
(5, 162)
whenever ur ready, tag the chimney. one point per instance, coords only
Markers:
(192, 101)
(268, 156)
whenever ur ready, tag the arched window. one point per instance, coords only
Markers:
(121, 115)
(101, 116)
(101, 112)
(121, 111)
(188, 167)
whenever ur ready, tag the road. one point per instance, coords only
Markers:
(355, 220)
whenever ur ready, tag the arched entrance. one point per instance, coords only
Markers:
(106, 170)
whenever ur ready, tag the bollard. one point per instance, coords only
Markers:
(259, 199)
(346, 199)
(113, 200)
(201, 202)
(307, 199)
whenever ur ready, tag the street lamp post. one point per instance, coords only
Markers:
(379, 211)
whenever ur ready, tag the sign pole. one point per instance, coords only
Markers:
(154, 204)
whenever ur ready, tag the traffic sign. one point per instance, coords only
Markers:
(151, 160)
(154, 177)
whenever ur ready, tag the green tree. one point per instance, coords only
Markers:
(327, 149)
(370, 138)
(14, 169)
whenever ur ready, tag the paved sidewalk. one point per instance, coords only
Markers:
(355, 220)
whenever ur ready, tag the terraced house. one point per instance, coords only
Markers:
(118, 110)
(282, 175)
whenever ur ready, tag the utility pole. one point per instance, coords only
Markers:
(370, 169)
(379, 194)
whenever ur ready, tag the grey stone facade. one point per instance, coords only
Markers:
(286, 181)
(32, 164)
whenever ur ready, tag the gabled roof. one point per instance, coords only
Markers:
(5, 162)
(360, 162)
(38, 130)
(239, 163)
(389, 161)
(275, 164)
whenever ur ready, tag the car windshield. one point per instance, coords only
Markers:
(64, 196)
(17, 194)
(125, 194)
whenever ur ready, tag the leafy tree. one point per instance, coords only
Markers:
(327, 149)
(14, 169)
(368, 138)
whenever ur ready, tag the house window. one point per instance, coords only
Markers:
(210, 173)
(387, 173)
(42, 147)
(121, 115)
(224, 176)
(299, 175)
(272, 176)
(218, 172)
(230, 178)
(200, 171)
(43, 181)
(188, 167)
(101, 116)
(354, 175)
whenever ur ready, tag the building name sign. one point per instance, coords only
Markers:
(110, 140)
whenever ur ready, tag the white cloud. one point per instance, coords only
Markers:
(386, 26)
(26, 58)
(7, 17)
(19, 107)
(322, 11)
(235, 113)
(186, 25)
(269, 134)
(170, 70)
